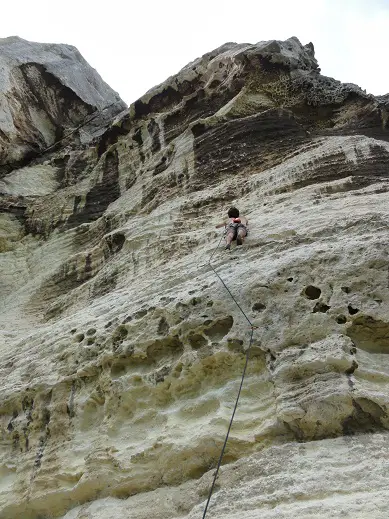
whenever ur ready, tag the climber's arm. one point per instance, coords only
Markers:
(220, 225)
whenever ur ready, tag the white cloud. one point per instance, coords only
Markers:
(135, 45)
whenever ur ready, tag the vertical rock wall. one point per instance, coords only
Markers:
(121, 352)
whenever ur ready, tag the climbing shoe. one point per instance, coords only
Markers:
(228, 246)
(239, 240)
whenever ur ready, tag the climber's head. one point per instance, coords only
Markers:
(233, 212)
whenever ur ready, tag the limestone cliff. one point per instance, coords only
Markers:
(121, 352)
(46, 89)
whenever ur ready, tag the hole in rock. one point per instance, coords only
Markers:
(197, 341)
(258, 307)
(198, 129)
(91, 331)
(163, 327)
(352, 310)
(215, 83)
(320, 307)
(115, 242)
(366, 417)
(119, 335)
(140, 314)
(312, 292)
(79, 337)
(118, 369)
(341, 319)
(235, 344)
(289, 279)
(218, 329)
(369, 334)
(346, 290)
(164, 348)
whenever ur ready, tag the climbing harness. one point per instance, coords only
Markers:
(252, 327)
(235, 225)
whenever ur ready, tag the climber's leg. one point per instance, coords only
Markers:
(230, 236)
(241, 235)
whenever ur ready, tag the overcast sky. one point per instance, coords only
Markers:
(135, 45)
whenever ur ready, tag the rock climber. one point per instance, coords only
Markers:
(236, 227)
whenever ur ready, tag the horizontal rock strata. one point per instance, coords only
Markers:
(121, 352)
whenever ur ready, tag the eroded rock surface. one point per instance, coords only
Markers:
(46, 90)
(121, 352)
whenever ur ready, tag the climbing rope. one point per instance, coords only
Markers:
(241, 381)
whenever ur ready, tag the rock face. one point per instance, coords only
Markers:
(121, 352)
(45, 90)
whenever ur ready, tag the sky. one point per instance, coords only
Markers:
(137, 45)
